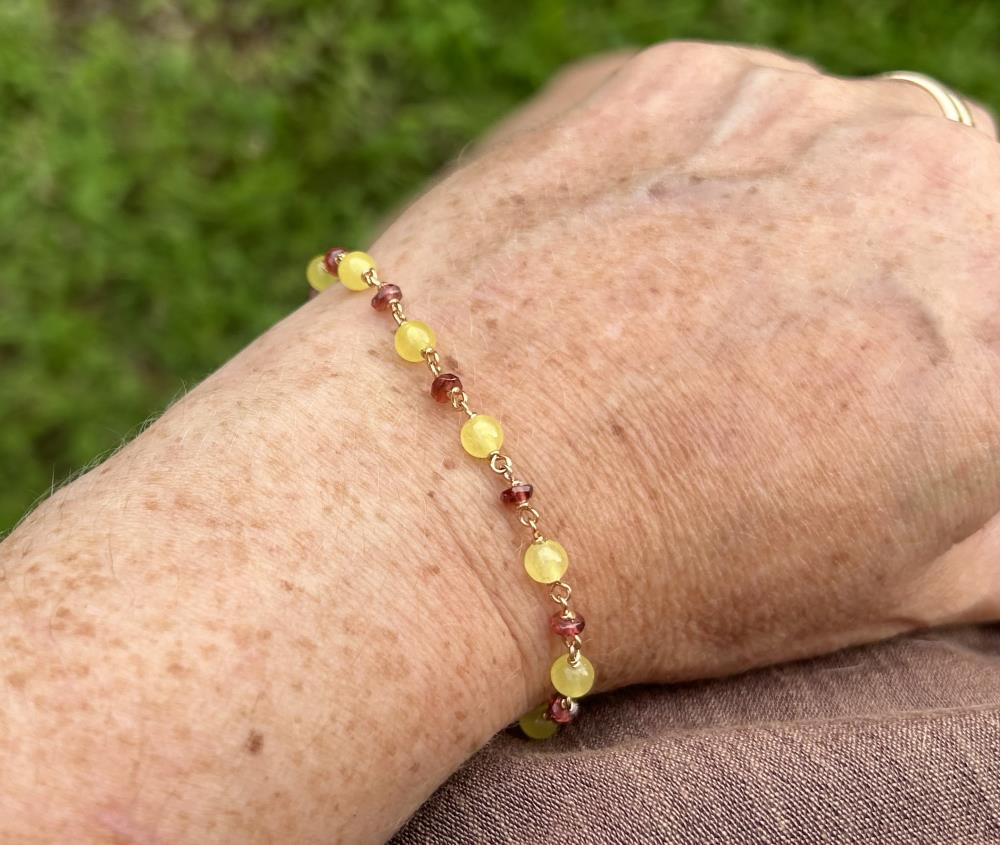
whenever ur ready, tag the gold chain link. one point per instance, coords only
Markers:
(528, 517)
(460, 402)
(433, 360)
(560, 593)
(398, 314)
(502, 465)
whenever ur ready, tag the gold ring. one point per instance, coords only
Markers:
(952, 106)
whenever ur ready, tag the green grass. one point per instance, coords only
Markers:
(166, 167)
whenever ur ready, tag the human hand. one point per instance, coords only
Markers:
(738, 314)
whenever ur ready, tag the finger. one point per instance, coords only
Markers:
(983, 117)
(962, 587)
(909, 97)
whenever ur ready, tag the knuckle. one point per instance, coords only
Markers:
(668, 54)
(660, 78)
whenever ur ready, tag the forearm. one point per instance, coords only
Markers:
(266, 618)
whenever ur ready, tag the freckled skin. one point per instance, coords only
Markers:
(253, 624)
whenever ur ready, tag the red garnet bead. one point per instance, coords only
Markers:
(566, 627)
(444, 385)
(559, 713)
(387, 294)
(331, 259)
(517, 494)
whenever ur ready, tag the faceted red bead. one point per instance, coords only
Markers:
(516, 493)
(387, 294)
(558, 711)
(331, 259)
(443, 385)
(566, 627)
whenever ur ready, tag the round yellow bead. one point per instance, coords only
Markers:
(546, 561)
(352, 268)
(535, 725)
(572, 681)
(412, 338)
(482, 435)
(316, 274)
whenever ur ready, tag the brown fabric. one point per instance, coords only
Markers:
(893, 743)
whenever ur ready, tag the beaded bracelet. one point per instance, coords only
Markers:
(481, 436)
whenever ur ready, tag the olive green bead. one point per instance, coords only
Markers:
(572, 681)
(317, 275)
(546, 561)
(536, 725)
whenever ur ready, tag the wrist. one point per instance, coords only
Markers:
(263, 592)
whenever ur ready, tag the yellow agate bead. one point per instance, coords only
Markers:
(535, 724)
(412, 338)
(352, 269)
(317, 275)
(546, 561)
(572, 681)
(482, 435)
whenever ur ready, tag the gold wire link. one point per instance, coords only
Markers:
(460, 402)
(573, 647)
(370, 278)
(529, 517)
(433, 360)
(398, 314)
(501, 464)
(560, 593)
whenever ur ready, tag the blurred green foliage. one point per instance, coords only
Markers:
(166, 167)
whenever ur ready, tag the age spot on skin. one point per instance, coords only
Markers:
(254, 742)
(306, 644)
(17, 680)
(659, 190)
